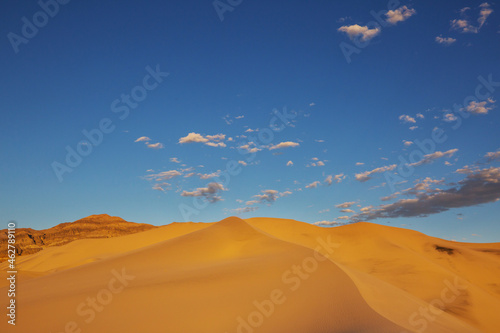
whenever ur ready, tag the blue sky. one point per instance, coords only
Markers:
(314, 111)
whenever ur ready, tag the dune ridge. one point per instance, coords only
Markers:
(262, 275)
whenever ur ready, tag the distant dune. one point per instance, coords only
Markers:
(260, 275)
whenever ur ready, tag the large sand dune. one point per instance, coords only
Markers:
(260, 275)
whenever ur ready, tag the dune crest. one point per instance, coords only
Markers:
(260, 275)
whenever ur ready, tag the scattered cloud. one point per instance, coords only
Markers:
(155, 145)
(209, 193)
(337, 178)
(492, 156)
(345, 204)
(407, 143)
(289, 163)
(164, 175)
(412, 128)
(285, 144)
(347, 210)
(359, 163)
(142, 139)
(480, 186)
(431, 157)
(464, 24)
(355, 30)
(407, 119)
(449, 117)
(313, 184)
(174, 160)
(445, 40)
(400, 14)
(480, 107)
(364, 176)
(267, 197)
(209, 140)
(247, 209)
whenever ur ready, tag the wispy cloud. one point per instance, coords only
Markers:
(142, 138)
(157, 145)
(431, 157)
(492, 156)
(464, 24)
(364, 176)
(345, 204)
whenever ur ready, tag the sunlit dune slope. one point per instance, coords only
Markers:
(211, 280)
(419, 266)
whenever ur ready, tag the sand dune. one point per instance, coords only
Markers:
(261, 275)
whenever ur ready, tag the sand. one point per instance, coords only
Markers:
(260, 275)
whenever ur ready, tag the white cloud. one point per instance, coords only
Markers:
(174, 160)
(164, 175)
(285, 144)
(445, 40)
(421, 116)
(464, 25)
(289, 163)
(413, 128)
(337, 178)
(480, 107)
(161, 187)
(345, 204)
(155, 145)
(193, 137)
(400, 14)
(347, 210)
(449, 117)
(142, 138)
(209, 175)
(407, 119)
(313, 184)
(356, 30)
(431, 157)
(364, 176)
(359, 163)
(209, 140)
(243, 163)
(493, 156)
(407, 143)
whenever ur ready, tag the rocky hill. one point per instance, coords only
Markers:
(30, 241)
